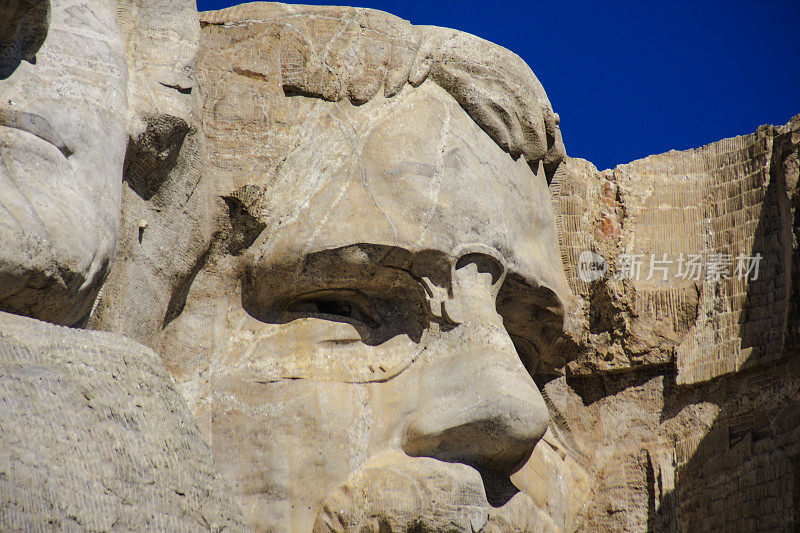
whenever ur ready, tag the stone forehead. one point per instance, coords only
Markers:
(415, 165)
(429, 176)
(338, 53)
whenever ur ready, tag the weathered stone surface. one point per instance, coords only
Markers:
(395, 235)
(666, 451)
(609, 462)
(341, 233)
(665, 457)
(62, 143)
(93, 434)
(167, 220)
(338, 53)
(735, 198)
(95, 437)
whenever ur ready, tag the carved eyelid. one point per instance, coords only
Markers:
(421, 281)
(351, 297)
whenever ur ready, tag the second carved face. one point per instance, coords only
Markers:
(367, 356)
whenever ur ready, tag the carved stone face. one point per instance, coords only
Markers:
(62, 145)
(357, 356)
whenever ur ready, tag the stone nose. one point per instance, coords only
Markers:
(478, 405)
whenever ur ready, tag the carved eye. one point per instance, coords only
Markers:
(350, 307)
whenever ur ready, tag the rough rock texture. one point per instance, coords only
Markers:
(166, 222)
(685, 404)
(635, 434)
(93, 434)
(338, 53)
(736, 197)
(341, 232)
(95, 437)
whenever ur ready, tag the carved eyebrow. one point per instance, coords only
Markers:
(35, 125)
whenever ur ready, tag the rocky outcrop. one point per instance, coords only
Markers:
(167, 220)
(685, 402)
(95, 437)
(724, 207)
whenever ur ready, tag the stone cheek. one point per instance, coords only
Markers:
(62, 138)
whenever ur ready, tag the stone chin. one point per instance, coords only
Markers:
(393, 492)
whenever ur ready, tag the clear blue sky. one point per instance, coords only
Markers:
(630, 79)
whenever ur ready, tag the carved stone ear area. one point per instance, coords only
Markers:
(23, 28)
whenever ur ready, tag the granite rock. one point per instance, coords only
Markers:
(358, 285)
(62, 145)
(96, 438)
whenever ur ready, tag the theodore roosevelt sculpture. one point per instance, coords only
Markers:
(358, 343)
(336, 233)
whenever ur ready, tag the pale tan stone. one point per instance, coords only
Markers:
(62, 144)
(93, 434)
(734, 198)
(353, 242)
(383, 249)
(95, 437)
(167, 216)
